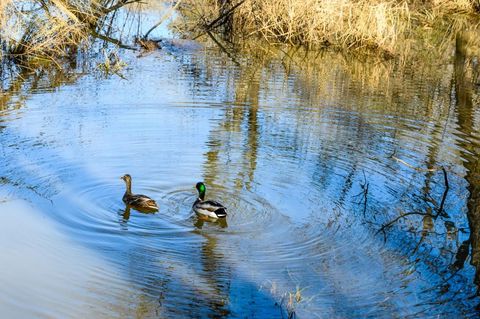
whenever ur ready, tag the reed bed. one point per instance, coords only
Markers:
(49, 30)
(374, 24)
(327, 22)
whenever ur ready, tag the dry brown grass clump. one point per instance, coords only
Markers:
(343, 22)
(43, 31)
(459, 6)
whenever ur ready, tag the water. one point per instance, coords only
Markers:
(310, 161)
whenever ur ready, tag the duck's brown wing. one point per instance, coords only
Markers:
(142, 201)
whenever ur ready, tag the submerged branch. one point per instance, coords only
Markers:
(393, 221)
(363, 193)
(222, 48)
(111, 40)
(415, 168)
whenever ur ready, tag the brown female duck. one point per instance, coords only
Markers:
(137, 200)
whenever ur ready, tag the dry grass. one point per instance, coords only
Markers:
(50, 30)
(342, 22)
(375, 24)
(41, 31)
(450, 6)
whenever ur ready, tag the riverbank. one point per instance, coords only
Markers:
(60, 30)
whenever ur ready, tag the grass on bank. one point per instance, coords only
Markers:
(48, 30)
(378, 25)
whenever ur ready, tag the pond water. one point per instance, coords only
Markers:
(310, 160)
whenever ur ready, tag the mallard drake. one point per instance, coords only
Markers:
(207, 208)
(137, 200)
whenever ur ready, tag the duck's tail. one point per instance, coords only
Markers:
(151, 206)
(221, 212)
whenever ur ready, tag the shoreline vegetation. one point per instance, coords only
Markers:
(376, 27)
(48, 31)
(55, 37)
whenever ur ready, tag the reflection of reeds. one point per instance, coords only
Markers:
(374, 75)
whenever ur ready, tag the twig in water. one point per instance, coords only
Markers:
(365, 193)
(111, 40)
(439, 211)
(222, 48)
(415, 168)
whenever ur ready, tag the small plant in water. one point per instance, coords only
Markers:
(289, 300)
(112, 64)
(294, 299)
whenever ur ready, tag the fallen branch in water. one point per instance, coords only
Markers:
(223, 48)
(393, 221)
(363, 193)
(111, 40)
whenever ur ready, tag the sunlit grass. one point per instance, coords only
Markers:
(377, 25)
(50, 30)
(41, 31)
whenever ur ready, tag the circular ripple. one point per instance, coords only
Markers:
(247, 212)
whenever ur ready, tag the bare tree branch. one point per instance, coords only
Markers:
(163, 18)
(212, 25)
(119, 5)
